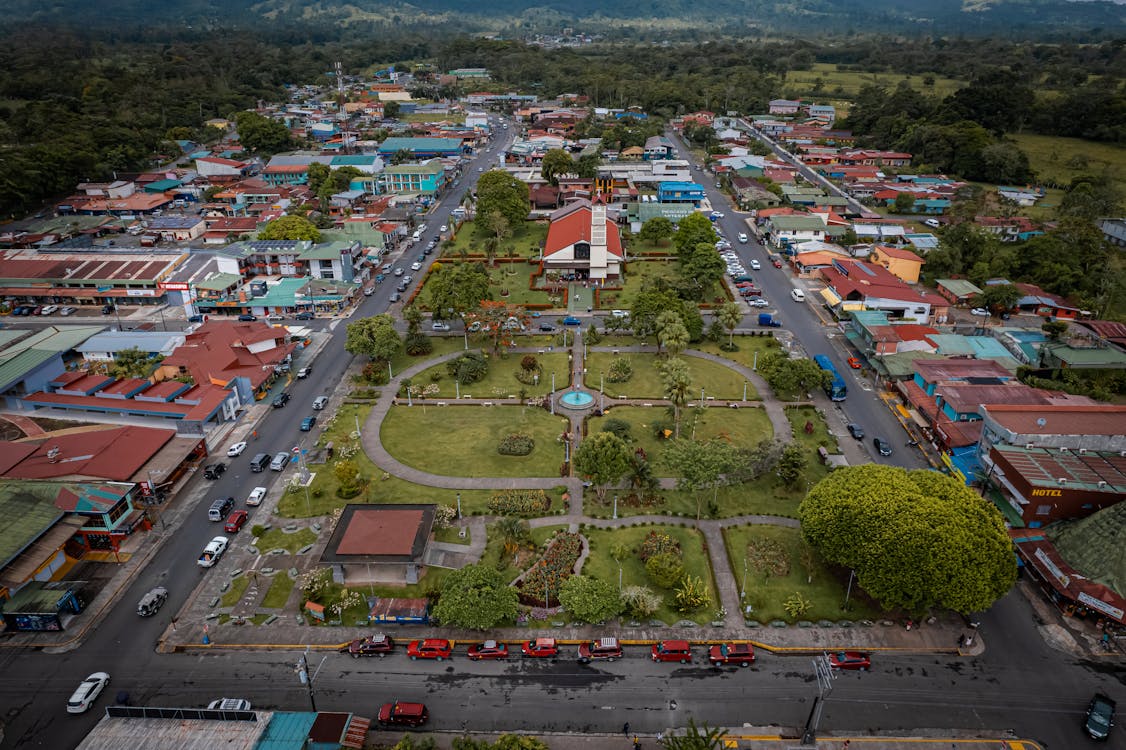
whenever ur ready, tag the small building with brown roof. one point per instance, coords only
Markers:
(383, 543)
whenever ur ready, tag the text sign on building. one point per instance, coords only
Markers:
(174, 286)
(1052, 568)
(1100, 605)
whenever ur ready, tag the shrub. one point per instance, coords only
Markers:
(620, 370)
(519, 502)
(619, 427)
(665, 570)
(659, 543)
(418, 344)
(691, 595)
(470, 367)
(529, 363)
(516, 444)
(376, 373)
(641, 601)
(557, 565)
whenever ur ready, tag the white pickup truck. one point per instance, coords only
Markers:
(213, 551)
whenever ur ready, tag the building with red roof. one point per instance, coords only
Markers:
(583, 240)
(244, 355)
(856, 285)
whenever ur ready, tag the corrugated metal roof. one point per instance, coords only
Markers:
(22, 357)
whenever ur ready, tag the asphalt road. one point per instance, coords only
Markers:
(1019, 683)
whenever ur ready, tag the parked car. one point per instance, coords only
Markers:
(236, 521)
(320, 402)
(680, 651)
(742, 654)
(398, 272)
(215, 470)
(307, 423)
(152, 601)
(67, 311)
(236, 449)
(571, 320)
(882, 446)
(776, 261)
(87, 692)
(373, 645)
(275, 318)
(540, 648)
(547, 328)
(980, 312)
(757, 302)
(247, 318)
(256, 496)
(443, 228)
(603, 649)
(850, 660)
(1100, 717)
(439, 326)
(854, 363)
(488, 650)
(304, 372)
(855, 430)
(229, 704)
(403, 714)
(213, 551)
(49, 309)
(416, 266)
(304, 315)
(281, 400)
(107, 309)
(395, 296)
(430, 648)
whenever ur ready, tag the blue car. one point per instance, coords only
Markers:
(307, 423)
(379, 278)
(571, 320)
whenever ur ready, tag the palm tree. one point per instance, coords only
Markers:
(671, 332)
(676, 382)
(729, 316)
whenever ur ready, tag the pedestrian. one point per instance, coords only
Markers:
(660, 736)
(636, 743)
(625, 729)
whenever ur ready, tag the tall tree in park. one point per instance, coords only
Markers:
(476, 597)
(675, 382)
(605, 459)
(916, 539)
(590, 599)
(454, 289)
(788, 377)
(700, 268)
(500, 228)
(499, 191)
(699, 465)
(652, 300)
(693, 230)
(290, 228)
(671, 332)
(373, 337)
(729, 315)
(556, 162)
(656, 230)
(262, 135)
(499, 322)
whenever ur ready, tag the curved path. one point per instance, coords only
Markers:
(712, 529)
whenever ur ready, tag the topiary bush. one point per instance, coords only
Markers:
(516, 444)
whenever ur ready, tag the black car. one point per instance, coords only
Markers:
(547, 327)
(195, 318)
(107, 309)
(248, 318)
(304, 316)
(855, 430)
(214, 471)
(281, 400)
(1100, 717)
(883, 446)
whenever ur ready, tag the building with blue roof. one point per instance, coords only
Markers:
(421, 148)
(681, 192)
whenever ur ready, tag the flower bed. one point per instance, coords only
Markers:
(546, 576)
(519, 502)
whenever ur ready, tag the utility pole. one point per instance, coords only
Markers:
(825, 676)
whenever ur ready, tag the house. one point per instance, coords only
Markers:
(583, 240)
(659, 147)
(826, 114)
(217, 169)
(958, 291)
(1044, 485)
(421, 148)
(900, 261)
(425, 179)
(367, 163)
(332, 260)
(856, 285)
(681, 192)
(104, 347)
(784, 107)
(230, 354)
(223, 229)
(1045, 304)
(783, 229)
(1114, 230)
(292, 169)
(178, 228)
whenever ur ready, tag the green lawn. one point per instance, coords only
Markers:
(748, 348)
(636, 274)
(501, 381)
(233, 594)
(716, 380)
(815, 471)
(600, 564)
(276, 538)
(743, 427)
(524, 242)
(767, 594)
(765, 496)
(462, 440)
(506, 277)
(278, 594)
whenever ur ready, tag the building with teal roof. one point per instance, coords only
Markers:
(421, 148)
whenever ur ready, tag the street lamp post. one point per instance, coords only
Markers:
(743, 590)
(307, 679)
(755, 365)
(459, 506)
(615, 505)
(744, 390)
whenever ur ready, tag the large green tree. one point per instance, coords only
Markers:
(916, 539)
(290, 228)
(261, 134)
(132, 363)
(604, 458)
(476, 597)
(654, 299)
(373, 337)
(675, 382)
(656, 230)
(699, 465)
(671, 332)
(453, 289)
(789, 377)
(701, 268)
(499, 191)
(590, 599)
(693, 230)
(556, 162)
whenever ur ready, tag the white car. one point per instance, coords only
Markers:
(980, 311)
(48, 309)
(480, 169)
(416, 266)
(758, 302)
(443, 228)
(756, 266)
(68, 311)
(236, 449)
(87, 692)
(743, 238)
(213, 551)
(257, 495)
(398, 272)
(229, 704)
(439, 326)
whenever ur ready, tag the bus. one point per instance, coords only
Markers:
(836, 389)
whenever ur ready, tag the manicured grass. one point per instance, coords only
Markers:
(716, 380)
(510, 277)
(768, 594)
(749, 346)
(601, 565)
(743, 427)
(524, 242)
(281, 585)
(442, 345)
(462, 440)
(815, 471)
(278, 539)
(232, 595)
(451, 535)
(501, 381)
(637, 273)
(765, 496)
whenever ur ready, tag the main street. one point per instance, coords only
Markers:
(1019, 683)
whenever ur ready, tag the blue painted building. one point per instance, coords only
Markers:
(681, 192)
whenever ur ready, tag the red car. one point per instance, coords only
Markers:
(854, 363)
(374, 645)
(488, 650)
(850, 660)
(742, 654)
(540, 648)
(403, 714)
(777, 262)
(750, 292)
(604, 649)
(745, 285)
(236, 521)
(431, 648)
(680, 651)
